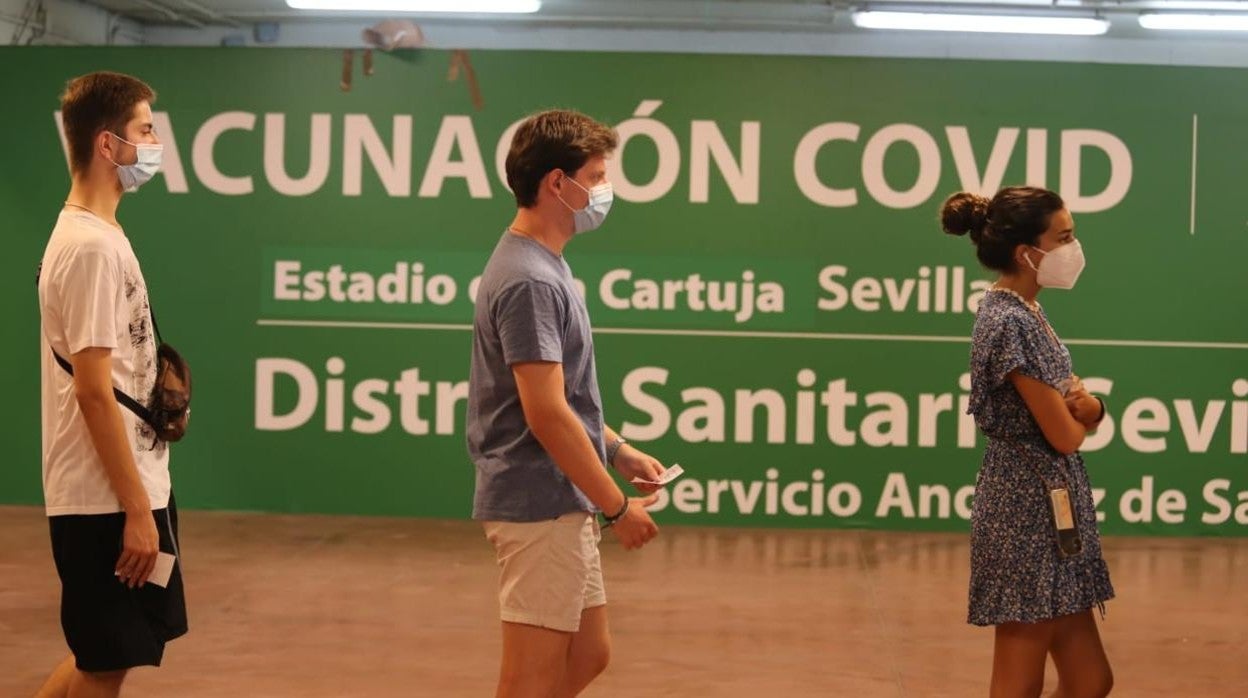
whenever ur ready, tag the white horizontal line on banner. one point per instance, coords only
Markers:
(357, 324)
(753, 334)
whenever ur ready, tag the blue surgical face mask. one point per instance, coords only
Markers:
(144, 168)
(595, 212)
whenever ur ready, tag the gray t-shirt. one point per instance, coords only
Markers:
(528, 309)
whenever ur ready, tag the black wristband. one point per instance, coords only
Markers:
(610, 519)
(614, 448)
(1101, 416)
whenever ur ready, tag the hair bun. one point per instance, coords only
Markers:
(964, 213)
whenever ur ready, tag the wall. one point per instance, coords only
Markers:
(805, 187)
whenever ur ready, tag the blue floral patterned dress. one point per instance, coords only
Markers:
(1016, 571)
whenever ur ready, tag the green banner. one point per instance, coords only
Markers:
(775, 307)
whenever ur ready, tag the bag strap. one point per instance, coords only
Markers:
(126, 401)
(151, 311)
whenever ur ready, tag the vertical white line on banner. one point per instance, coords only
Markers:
(1195, 125)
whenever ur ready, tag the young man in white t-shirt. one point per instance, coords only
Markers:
(105, 474)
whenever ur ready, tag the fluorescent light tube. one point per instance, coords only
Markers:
(459, 6)
(1186, 22)
(1190, 6)
(1001, 24)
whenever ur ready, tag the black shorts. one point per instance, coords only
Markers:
(109, 626)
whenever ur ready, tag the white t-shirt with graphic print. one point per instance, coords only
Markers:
(92, 294)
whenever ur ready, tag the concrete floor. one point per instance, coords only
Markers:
(314, 606)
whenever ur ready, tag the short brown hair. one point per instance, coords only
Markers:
(98, 102)
(558, 139)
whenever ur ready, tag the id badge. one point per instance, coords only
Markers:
(1068, 541)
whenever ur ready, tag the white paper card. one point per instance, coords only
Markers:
(162, 571)
(668, 475)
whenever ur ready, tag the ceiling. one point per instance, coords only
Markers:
(716, 14)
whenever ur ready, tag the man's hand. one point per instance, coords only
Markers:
(631, 463)
(140, 544)
(636, 528)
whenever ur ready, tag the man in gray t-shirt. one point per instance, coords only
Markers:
(528, 310)
(535, 426)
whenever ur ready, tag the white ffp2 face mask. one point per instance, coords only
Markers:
(595, 212)
(144, 168)
(1060, 267)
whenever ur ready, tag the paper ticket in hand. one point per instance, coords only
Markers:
(162, 571)
(668, 475)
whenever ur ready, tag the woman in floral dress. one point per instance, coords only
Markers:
(1036, 565)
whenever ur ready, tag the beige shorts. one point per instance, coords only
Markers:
(550, 570)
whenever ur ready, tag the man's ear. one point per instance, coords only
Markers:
(553, 181)
(106, 145)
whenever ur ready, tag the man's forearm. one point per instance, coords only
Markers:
(564, 438)
(108, 435)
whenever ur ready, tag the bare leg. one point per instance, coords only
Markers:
(105, 684)
(589, 653)
(57, 685)
(1018, 656)
(1082, 667)
(534, 661)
